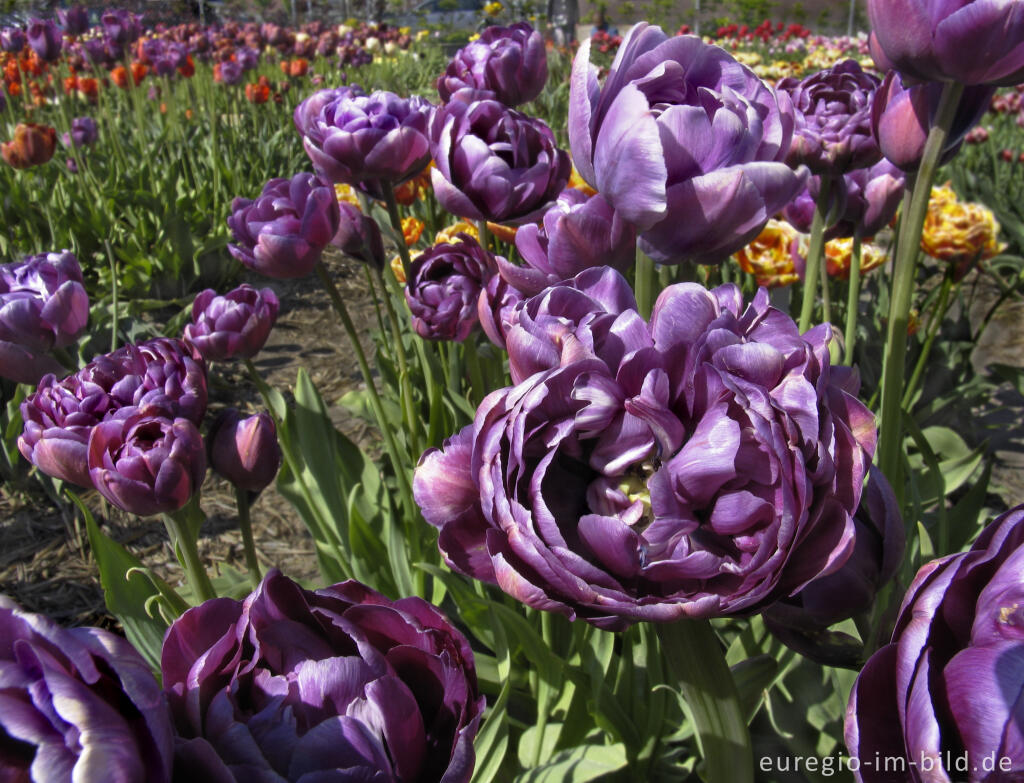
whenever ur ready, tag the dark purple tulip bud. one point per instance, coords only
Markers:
(145, 462)
(244, 451)
(341, 682)
(84, 132)
(799, 212)
(121, 26)
(43, 303)
(966, 41)
(902, 117)
(684, 142)
(443, 288)
(236, 324)
(944, 695)
(248, 58)
(872, 197)
(44, 39)
(283, 233)
(494, 163)
(12, 39)
(309, 109)
(370, 139)
(506, 64)
(638, 471)
(577, 232)
(832, 110)
(79, 704)
(359, 236)
(74, 20)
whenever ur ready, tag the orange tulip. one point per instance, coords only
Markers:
(257, 93)
(769, 257)
(32, 145)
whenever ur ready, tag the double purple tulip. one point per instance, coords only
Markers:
(684, 142)
(236, 324)
(84, 133)
(341, 683)
(703, 464)
(944, 696)
(506, 64)
(74, 20)
(78, 704)
(44, 38)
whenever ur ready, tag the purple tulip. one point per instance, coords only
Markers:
(283, 233)
(248, 58)
(308, 110)
(236, 324)
(684, 142)
(966, 41)
(84, 132)
(231, 72)
(506, 64)
(577, 232)
(493, 163)
(799, 212)
(943, 696)
(293, 685)
(443, 288)
(832, 110)
(496, 308)
(872, 197)
(145, 462)
(902, 117)
(244, 451)
(74, 20)
(78, 704)
(366, 140)
(359, 236)
(121, 26)
(704, 464)
(12, 39)
(44, 39)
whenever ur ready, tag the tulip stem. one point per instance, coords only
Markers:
(113, 295)
(396, 223)
(405, 383)
(485, 235)
(644, 283)
(248, 544)
(180, 526)
(697, 662)
(852, 301)
(815, 256)
(890, 439)
(933, 329)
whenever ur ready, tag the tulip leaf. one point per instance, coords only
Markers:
(538, 743)
(577, 765)
(753, 677)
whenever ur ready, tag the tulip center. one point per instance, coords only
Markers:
(1012, 615)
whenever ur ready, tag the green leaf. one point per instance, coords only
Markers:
(577, 765)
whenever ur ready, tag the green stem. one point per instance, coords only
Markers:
(476, 376)
(113, 294)
(248, 544)
(815, 256)
(644, 283)
(396, 224)
(904, 274)
(485, 235)
(697, 662)
(183, 539)
(412, 422)
(933, 329)
(852, 301)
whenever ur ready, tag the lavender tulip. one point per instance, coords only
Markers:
(684, 142)
(872, 197)
(121, 26)
(704, 464)
(236, 324)
(293, 685)
(84, 132)
(145, 462)
(244, 451)
(966, 41)
(443, 288)
(359, 236)
(12, 39)
(366, 140)
(74, 20)
(943, 697)
(44, 39)
(496, 308)
(78, 704)
(493, 163)
(308, 110)
(230, 72)
(506, 64)
(283, 233)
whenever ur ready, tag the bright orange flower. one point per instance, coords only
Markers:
(410, 192)
(257, 93)
(449, 234)
(70, 84)
(88, 88)
(576, 181)
(412, 229)
(294, 68)
(396, 269)
(119, 75)
(839, 253)
(347, 193)
(138, 72)
(32, 145)
(959, 233)
(769, 258)
(188, 69)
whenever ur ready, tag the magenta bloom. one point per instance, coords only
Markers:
(444, 286)
(337, 684)
(78, 704)
(283, 233)
(236, 324)
(244, 451)
(949, 683)
(703, 464)
(506, 64)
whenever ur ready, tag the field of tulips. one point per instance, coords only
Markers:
(671, 438)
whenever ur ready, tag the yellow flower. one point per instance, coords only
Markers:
(839, 252)
(396, 269)
(769, 258)
(347, 193)
(412, 228)
(576, 181)
(959, 233)
(493, 9)
(448, 234)
(749, 59)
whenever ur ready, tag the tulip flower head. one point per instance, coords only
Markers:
(769, 258)
(32, 145)
(506, 64)
(959, 233)
(244, 451)
(236, 324)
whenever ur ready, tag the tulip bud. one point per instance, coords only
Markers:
(359, 236)
(44, 39)
(32, 145)
(12, 39)
(244, 451)
(75, 20)
(236, 324)
(84, 132)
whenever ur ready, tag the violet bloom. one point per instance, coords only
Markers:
(74, 20)
(84, 132)
(832, 110)
(359, 236)
(230, 72)
(684, 142)
(902, 117)
(78, 704)
(947, 687)
(966, 41)
(248, 58)
(145, 462)
(341, 683)
(367, 140)
(244, 451)
(236, 324)
(506, 64)
(444, 286)
(309, 109)
(12, 39)
(872, 197)
(493, 163)
(283, 233)
(44, 39)
(704, 464)
(577, 232)
(121, 26)
(496, 308)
